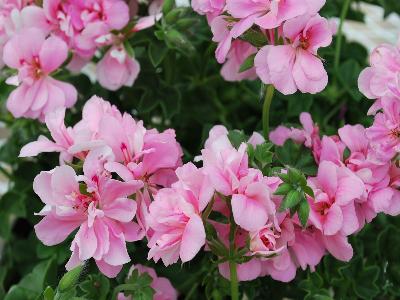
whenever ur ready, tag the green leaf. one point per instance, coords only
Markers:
(167, 6)
(262, 153)
(283, 189)
(255, 37)
(291, 200)
(303, 212)
(48, 293)
(237, 137)
(157, 52)
(306, 189)
(33, 284)
(248, 63)
(349, 72)
(70, 278)
(96, 287)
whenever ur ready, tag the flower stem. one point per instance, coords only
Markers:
(232, 263)
(269, 94)
(343, 14)
(234, 281)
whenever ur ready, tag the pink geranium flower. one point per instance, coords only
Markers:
(36, 57)
(251, 202)
(299, 67)
(102, 212)
(117, 69)
(175, 218)
(382, 77)
(236, 56)
(384, 134)
(332, 209)
(81, 23)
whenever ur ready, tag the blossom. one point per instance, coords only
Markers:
(36, 57)
(80, 24)
(332, 209)
(382, 77)
(162, 286)
(96, 204)
(175, 218)
(237, 54)
(117, 69)
(251, 203)
(299, 67)
(222, 162)
(384, 134)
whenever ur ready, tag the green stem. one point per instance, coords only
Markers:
(345, 10)
(232, 263)
(234, 281)
(269, 94)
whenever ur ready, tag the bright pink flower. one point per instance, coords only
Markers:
(161, 285)
(384, 134)
(299, 67)
(265, 242)
(332, 209)
(236, 56)
(81, 23)
(382, 78)
(222, 162)
(269, 14)
(178, 229)
(211, 8)
(117, 69)
(103, 212)
(251, 202)
(36, 58)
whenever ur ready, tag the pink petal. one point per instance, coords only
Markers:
(193, 238)
(53, 53)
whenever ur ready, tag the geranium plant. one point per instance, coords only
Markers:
(135, 166)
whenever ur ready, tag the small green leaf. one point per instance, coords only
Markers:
(48, 293)
(167, 6)
(308, 191)
(291, 200)
(237, 137)
(303, 212)
(283, 189)
(248, 63)
(157, 52)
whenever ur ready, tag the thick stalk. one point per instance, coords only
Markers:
(343, 14)
(269, 94)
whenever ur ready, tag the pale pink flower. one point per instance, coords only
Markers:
(382, 77)
(117, 69)
(252, 206)
(178, 229)
(222, 162)
(332, 210)
(103, 212)
(210, 8)
(265, 241)
(162, 286)
(384, 134)
(81, 23)
(236, 56)
(299, 67)
(36, 57)
(269, 14)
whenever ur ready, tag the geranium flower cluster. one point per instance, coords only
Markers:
(288, 32)
(349, 190)
(38, 40)
(381, 82)
(373, 187)
(111, 166)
